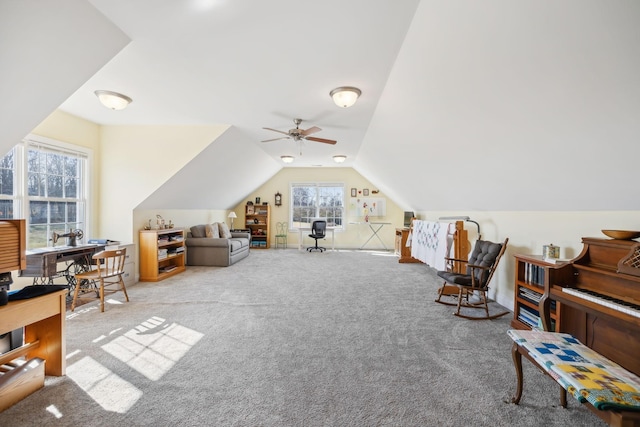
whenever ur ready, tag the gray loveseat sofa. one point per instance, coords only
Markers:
(214, 245)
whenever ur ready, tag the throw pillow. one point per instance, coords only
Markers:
(197, 231)
(211, 230)
(224, 230)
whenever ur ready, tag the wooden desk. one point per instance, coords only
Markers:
(43, 319)
(42, 263)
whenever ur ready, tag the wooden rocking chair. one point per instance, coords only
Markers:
(480, 268)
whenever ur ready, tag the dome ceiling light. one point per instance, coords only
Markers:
(345, 96)
(113, 100)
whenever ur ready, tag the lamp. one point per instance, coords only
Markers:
(113, 100)
(287, 159)
(345, 96)
(232, 215)
(339, 158)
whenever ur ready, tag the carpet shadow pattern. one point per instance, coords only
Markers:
(288, 338)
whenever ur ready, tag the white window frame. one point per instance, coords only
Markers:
(294, 225)
(21, 197)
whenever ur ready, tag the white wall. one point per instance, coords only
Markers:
(49, 49)
(137, 160)
(354, 235)
(511, 105)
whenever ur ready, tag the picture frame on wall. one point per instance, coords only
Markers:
(365, 192)
(354, 192)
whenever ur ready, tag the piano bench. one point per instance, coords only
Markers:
(607, 389)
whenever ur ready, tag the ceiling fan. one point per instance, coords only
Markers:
(298, 134)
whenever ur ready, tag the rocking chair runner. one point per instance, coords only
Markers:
(480, 268)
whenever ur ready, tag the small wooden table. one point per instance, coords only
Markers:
(44, 320)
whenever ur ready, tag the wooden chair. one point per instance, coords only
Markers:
(108, 272)
(475, 282)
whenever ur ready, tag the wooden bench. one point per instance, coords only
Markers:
(608, 390)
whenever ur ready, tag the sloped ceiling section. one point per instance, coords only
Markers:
(48, 49)
(506, 105)
(218, 178)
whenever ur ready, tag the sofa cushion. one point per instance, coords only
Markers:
(244, 241)
(224, 230)
(235, 244)
(198, 231)
(211, 230)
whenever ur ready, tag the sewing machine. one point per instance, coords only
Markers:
(71, 236)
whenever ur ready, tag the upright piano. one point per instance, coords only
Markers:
(598, 299)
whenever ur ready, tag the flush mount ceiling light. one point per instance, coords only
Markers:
(113, 100)
(287, 159)
(340, 158)
(345, 96)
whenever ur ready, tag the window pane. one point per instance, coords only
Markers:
(71, 166)
(6, 209)
(6, 174)
(71, 213)
(54, 186)
(36, 161)
(38, 212)
(36, 185)
(38, 236)
(58, 211)
(6, 182)
(55, 164)
(70, 188)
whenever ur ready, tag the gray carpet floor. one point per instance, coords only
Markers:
(288, 338)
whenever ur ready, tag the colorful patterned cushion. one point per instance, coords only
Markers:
(583, 372)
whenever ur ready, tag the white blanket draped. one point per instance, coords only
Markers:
(429, 242)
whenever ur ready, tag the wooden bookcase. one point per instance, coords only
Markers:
(532, 273)
(161, 254)
(257, 219)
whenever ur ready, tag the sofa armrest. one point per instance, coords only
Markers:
(243, 234)
(211, 242)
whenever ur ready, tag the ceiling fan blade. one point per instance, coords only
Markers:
(275, 139)
(309, 131)
(276, 130)
(326, 141)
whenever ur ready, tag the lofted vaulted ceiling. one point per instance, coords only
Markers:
(251, 64)
(466, 105)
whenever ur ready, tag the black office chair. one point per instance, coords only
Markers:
(318, 231)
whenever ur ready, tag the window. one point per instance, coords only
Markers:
(7, 189)
(317, 200)
(47, 188)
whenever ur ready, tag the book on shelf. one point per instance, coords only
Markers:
(166, 268)
(556, 260)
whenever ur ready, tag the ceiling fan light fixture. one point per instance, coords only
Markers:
(345, 96)
(287, 159)
(113, 100)
(339, 158)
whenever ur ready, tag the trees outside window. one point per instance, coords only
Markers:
(316, 200)
(47, 189)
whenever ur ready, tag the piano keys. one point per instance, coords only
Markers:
(605, 300)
